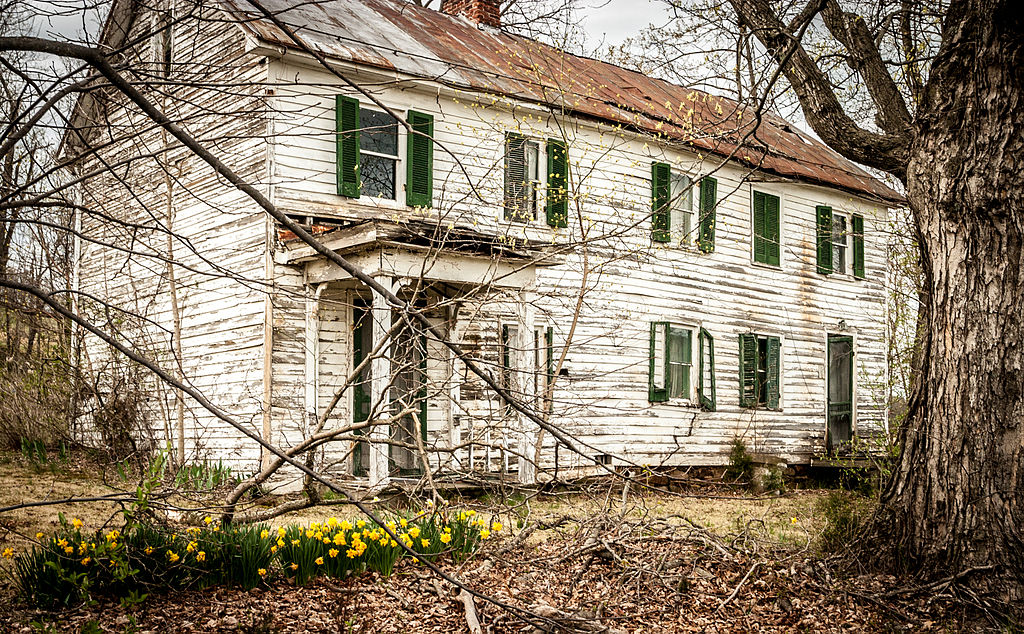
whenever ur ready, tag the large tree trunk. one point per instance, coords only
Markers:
(954, 501)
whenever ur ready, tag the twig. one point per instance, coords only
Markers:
(740, 585)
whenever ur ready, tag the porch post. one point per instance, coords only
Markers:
(526, 363)
(380, 373)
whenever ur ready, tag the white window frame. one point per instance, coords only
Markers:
(400, 158)
(664, 369)
(845, 247)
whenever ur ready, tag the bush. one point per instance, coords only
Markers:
(843, 513)
(70, 566)
(741, 465)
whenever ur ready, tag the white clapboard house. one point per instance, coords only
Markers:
(654, 270)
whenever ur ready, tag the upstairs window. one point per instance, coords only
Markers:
(836, 232)
(672, 198)
(840, 236)
(378, 154)
(767, 229)
(522, 177)
(368, 154)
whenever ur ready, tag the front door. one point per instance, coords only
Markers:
(839, 429)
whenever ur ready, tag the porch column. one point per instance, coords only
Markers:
(311, 348)
(526, 363)
(380, 379)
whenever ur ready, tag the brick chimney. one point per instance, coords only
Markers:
(484, 12)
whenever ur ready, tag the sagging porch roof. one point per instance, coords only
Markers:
(401, 36)
(419, 250)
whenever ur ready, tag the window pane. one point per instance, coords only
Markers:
(839, 243)
(682, 208)
(378, 176)
(762, 370)
(659, 356)
(679, 356)
(379, 132)
(521, 165)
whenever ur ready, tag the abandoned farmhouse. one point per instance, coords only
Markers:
(654, 270)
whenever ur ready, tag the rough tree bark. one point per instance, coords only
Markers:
(954, 501)
(953, 504)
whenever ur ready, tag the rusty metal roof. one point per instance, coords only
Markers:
(404, 37)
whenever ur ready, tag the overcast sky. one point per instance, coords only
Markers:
(615, 20)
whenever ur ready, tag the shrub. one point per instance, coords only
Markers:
(843, 513)
(741, 465)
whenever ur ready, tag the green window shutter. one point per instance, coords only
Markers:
(515, 173)
(558, 184)
(772, 229)
(707, 371)
(346, 111)
(657, 390)
(858, 246)
(760, 245)
(419, 182)
(748, 371)
(824, 239)
(708, 201)
(549, 342)
(773, 373)
(661, 198)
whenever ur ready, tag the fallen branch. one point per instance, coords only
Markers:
(471, 617)
(736, 590)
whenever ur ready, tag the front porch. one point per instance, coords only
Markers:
(391, 396)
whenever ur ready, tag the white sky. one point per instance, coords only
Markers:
(615, 20)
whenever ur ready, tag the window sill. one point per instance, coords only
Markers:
(767, 267)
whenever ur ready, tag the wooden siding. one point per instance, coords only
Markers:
(220, 242)
(632, 280)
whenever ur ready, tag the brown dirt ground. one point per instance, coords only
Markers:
(755, 568)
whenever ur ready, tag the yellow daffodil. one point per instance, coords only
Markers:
(360, 524)
(201, 556)
(77, 523)
(262, 572)
(332, 522)
(295, 542)
(281, 532)
(394, 544)
(62, 542)
(351, 553)
(346, 525)
(484, 534)
(414, 532)
(496, 527)
(273, 549)
(264, 534)
(280, 543)
(446, 538)
(333, 552)
(425, 543)
(149, 550)
(172, 556)
(8, 553)
(191, 547)
(319, 561)
(208, 520)
(339, 539)
(39, 536)
(68, 550)
(294, 566)
(85, 562)
(404, 522)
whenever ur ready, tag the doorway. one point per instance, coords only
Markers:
(839, 427)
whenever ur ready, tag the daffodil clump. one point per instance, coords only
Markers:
(72, 564)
